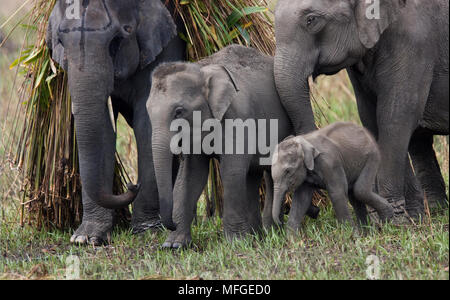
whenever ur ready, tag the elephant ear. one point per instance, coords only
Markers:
(155, 30)
(220, 89)
(310, 153)
(52, 38)
(371, 25)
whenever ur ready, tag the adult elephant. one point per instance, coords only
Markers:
(396, 53)
(109, 49)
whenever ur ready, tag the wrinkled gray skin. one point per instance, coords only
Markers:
(110, 52)
(235, 83)
(342, 158)
(398, 65)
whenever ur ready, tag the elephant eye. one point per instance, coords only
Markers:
(310, 20)
(128, 29)
(314, 23)
(178, 112)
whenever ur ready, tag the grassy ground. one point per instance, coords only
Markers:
(323, 250)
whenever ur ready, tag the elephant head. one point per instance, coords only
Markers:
(292, 160)
(317, 37)
(100, 43)
(179, 90)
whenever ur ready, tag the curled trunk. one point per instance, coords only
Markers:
(90, 89)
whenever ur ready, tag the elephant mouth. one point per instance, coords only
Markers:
(330, 70)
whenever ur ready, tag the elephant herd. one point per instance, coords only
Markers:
(396, 53)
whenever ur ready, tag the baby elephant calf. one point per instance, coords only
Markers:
(342, 158)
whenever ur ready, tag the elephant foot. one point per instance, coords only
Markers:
(415, 213)
(313, 212)
(386, 214)
(437, 202)
(397, 216)
(177, 241)
(232, 235)
(268, 224)
(293, 229)
(92, 233)
(142, 227)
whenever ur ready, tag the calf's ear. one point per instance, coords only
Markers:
(220, 89)
(310, 153)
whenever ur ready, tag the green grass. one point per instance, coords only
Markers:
(324, 250)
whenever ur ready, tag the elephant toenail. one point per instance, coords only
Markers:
(167, 245)
(96, 241)
(177, 246)
(81, 239)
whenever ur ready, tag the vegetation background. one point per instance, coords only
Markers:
(323, 250)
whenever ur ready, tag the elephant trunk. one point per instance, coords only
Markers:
(163, 161)
(292, 71)
(90, 88)
(278, 200)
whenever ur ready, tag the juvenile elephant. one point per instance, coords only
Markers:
(342, 158)
(396, 53)
(236, 84)
(108, 49)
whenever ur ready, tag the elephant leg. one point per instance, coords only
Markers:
(363, 189)
(146, 205)
(366, 101)
(337, 187)
(268, 202)
(191, 180)
(360, 210)
(301, 201)
(340, 200)
(399, 111)
(414, 193)
(428, 170)
(393, 142)
(253, 204)
(233, 170)
(97, 222)
(367, 107)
